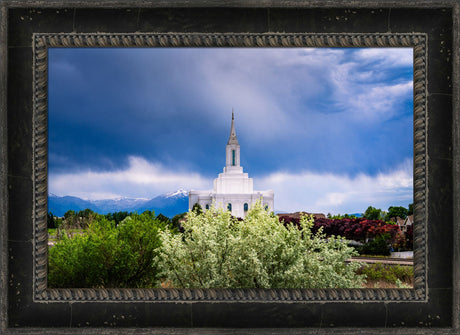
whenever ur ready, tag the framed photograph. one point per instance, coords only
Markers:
(325, 108)
(184, 135)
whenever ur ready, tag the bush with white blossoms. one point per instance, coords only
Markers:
(218, 251)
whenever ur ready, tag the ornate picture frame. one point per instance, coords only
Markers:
(44, 41)
(33, 28)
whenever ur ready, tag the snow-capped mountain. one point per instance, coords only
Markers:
(168, 204)
(179, 193)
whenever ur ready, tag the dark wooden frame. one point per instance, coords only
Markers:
(43, 41)
(29, 26)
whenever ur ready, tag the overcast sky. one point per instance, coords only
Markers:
(329, 130)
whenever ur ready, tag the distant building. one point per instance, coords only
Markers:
(298, 215)
(403, 223)
(407, 222)
(233, 189)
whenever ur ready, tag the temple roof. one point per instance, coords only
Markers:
(232, 139)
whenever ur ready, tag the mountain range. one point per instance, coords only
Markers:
(168, 204)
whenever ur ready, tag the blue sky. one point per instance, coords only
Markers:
(329, 130)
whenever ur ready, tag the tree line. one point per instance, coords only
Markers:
(207, 249)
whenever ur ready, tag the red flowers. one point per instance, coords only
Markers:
(359, 229)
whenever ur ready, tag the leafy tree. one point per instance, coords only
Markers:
(87, 213)
(85, 217)
(150, 213)
(70, 215)
(216, 250)
(411, 209)
(393, 212)
(50, 220)
(163, 218)
(340, 216)
(358, 229)
(373, 213)
(380, 245)
(70, 218)
(176, 220)
(108, 255)
(117, 216)
(197, 208)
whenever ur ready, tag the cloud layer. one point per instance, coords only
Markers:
(140, 122)
(140, 179)
(330, 193)
(174, 106)
(306, 191)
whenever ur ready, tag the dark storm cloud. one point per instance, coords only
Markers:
(342, 111)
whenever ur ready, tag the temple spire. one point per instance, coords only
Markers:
(232, 139)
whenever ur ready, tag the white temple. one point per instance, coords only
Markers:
(233, 189)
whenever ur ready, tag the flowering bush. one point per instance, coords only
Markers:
(218, 251)
(358, 229)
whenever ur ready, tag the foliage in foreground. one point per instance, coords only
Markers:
(108, 255)
(218, 251)
(389, 273)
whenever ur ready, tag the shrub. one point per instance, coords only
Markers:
(117, 216)
(410, 237)
(358, 229)
(107, 255)
(163, 218)
(51, 222)
(404, 241)
(218, 251)
(388, 273)
(378, 246)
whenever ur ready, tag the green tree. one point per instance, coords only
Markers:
(87, 213)
(117, 216)
(216, 250)
(163, 218)
(176, 220)
(340, 216)
(373, 213)
(380, 245)
(50, 220)
(85, 217)
(70, 218)
(393, 212)
(70, 214)
(197, 208)
(150, 213)
(411, 209)
(108, 255)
